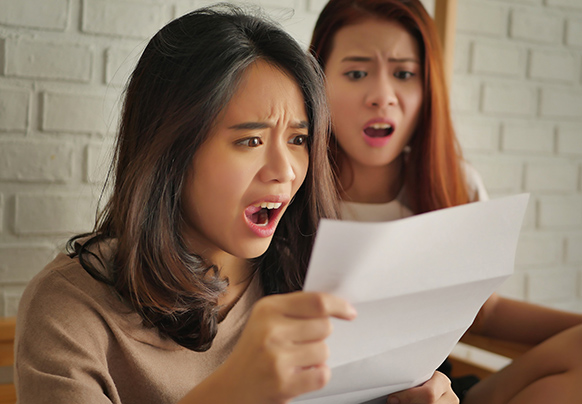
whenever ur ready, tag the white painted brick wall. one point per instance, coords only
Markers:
(38, 214)
(535, 250)
(77, 113)
(123, 18)
(480, 17)
(28, 58)
(45, 14)
(573, 4)
(574, 249)
(551, 176)
(498, 58)
(14, 109)
(560, 212)
(536, 26)
(20, 262)
(528, 137)
(561, 103)
(516, 99)
(570, 140)
(551, 65)
(35, 161)
(574, 32)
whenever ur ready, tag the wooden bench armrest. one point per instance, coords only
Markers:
(508, 349)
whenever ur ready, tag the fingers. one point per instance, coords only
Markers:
(436, 390)
(312, 304)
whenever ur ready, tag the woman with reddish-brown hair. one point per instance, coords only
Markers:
(395, 154)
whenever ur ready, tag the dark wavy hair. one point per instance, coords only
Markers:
(434, 178)
(185, 77)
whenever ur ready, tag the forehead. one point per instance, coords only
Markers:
(373, 35)
(266, 92)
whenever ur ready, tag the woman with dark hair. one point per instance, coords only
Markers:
(220, 177)
(396, 155)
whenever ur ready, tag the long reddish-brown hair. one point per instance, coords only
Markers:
(434, 178)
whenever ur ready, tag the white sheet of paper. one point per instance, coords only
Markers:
(417, 284)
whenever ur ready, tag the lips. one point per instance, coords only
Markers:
(379, 130)
(262, 217)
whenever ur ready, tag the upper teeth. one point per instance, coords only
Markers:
(269, 205)
(380, 126)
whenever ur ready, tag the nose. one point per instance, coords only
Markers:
(279, 164)
(381, 93)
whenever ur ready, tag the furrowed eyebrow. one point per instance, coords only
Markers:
(265, 125)
(368, 59)
(356, 59)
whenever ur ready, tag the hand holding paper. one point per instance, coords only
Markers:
(417, 284)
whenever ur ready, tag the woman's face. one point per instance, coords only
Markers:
(246, 173)
(374, 85)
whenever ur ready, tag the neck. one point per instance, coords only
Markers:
(239, 273)
(367, 184)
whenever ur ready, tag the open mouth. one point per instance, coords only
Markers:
(379, 130)
(262, 213)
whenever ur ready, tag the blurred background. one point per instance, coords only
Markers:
(516, 94)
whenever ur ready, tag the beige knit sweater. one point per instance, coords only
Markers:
(77, 342)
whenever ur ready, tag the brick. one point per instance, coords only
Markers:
(462, 54)
(275, 3)
(45, 14)
(498, 59)
(99, 157)
(11, 301)
(513, 287)
(465, 94)
(570, 140)
(500, 174)
(530, 218)
(573, 4)
(528, 137)
(538, 250)
(480, 18)
(513, 99)
(574, 249)
(300, 27)
(185, 7)
(315, 6)
(554, 176)
(561, 103)
(119, 64)
(45, 60)
(559, 66)
(557, 211)
(1, 213)
(574, 32)
(122, 18)
(536, 26)
(545, 285)
(38, 214)
(35, 161)
(478, 134)
(77, 113)
(14, 106)
(19, 263)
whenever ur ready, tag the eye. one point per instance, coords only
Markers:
(250, 142)
(403, 75)
(356, 74)
(298, 140)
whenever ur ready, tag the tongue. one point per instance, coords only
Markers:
(261, 218)
(376, 132)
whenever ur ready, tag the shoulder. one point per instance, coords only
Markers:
(475, 185)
